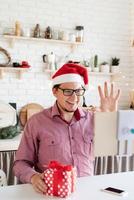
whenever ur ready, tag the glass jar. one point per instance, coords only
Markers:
(26, 32)
(79, 33)
(72, 37)
(55, 34)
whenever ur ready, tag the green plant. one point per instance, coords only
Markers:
(96, 61)
(85, 63)
(115, 61)
(104, 63)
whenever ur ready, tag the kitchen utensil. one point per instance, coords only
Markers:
(49, 59)
(27, 111)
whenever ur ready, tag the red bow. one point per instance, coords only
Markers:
(56, 165)
(58, 174)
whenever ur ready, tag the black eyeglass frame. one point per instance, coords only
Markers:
(72, 91)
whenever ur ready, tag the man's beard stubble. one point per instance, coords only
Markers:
(68, 111)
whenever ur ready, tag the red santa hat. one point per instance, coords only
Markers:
(71, 72)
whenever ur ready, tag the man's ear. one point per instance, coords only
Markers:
(54, 90)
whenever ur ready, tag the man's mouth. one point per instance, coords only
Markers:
(71, 103)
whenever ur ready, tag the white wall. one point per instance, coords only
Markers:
(107, 33)
(132, 41)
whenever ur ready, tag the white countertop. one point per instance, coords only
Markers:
(87, 188)
(10, 144)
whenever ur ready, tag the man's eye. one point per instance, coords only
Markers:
(78, 90)
(68, 91)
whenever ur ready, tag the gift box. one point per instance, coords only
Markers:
(60, 179)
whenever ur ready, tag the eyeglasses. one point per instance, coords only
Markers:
(69, 92)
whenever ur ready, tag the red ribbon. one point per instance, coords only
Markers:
(58, 174)
(56, 165)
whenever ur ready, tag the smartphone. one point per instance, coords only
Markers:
(115, 191)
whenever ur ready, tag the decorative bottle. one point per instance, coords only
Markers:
(48, 33)
(17, 29)
(37, 31)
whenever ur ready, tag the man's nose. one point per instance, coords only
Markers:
(74, 95)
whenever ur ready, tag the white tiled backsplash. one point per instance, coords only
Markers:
(107, 33)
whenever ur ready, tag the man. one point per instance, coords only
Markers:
(63, 132)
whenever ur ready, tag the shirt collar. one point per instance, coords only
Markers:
(79, 113)
(55, 110)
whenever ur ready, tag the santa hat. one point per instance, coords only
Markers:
(71, 72)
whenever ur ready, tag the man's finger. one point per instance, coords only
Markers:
(112, 89)
(105, 89)
(37, 189)
(117, 95)
(100, 92)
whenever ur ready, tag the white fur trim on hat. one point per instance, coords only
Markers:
(68, 78)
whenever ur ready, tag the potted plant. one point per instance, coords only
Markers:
(115, 65)
(86, 63)
(96, 67)
(104, 67)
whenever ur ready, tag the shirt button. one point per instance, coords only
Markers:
(72, 138)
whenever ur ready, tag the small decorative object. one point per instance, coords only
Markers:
(115, 65)
(104, 67)
(60, 34)
(16, 64)
(17, 28)
(96, 68)
(3, 51)
(133, 44)
(37, 31)
(60, 179)
(72, 37)
(132, 99)
(26, 32)
(48, 33)
(24, 64)
(86, 63)
(79, 33)
(55, 34)
(72, 61)
(65, 35)
(8, 31)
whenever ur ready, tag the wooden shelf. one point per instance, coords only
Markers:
(112, 76)
(103, 74)
(18, 70)
(12, 39)
(91, 73)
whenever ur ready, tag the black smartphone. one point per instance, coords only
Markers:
(116, 191)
